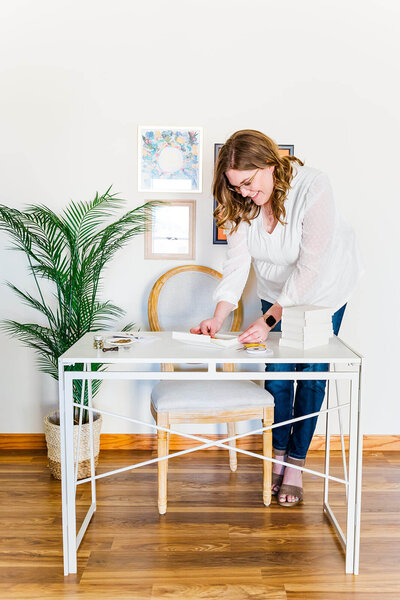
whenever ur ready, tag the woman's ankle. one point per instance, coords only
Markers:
(299, 462)
(281, 456)
(278, 452)
(294, 476)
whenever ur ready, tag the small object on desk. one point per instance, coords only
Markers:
(98, 342)
(113, 349)
(126, 338)
(257, 349)
(120, 340)
(254, 345)
(260, 351)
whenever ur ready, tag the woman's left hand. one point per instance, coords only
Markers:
(257, 333)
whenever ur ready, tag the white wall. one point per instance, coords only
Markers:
(77, 77)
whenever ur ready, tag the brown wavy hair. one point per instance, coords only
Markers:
(246, 150)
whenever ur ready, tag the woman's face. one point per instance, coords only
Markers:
(256, 184)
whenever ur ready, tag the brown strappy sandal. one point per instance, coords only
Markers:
(277, 478)
(292, 490)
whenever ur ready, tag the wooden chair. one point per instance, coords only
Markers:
(180, 299)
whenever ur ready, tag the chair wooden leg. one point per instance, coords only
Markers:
(163, 449)
(232, 453)
(268, 417)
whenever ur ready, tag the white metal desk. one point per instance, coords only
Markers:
(344, 364)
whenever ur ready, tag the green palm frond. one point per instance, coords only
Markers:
(48, 365)
(84, 218)
(54, 274)
(128, 327)
(12, 221)
(35, 336)
(53, 229)
(133, 222)
(70, 251)
(32, 302)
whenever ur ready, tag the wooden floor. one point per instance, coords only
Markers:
(217, 540)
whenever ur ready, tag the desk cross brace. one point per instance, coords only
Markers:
(210, 443)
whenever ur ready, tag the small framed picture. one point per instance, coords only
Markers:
(286, 149)
(169, 159)
(171, 231)
(219, 235)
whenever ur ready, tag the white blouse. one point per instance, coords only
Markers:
(313, 259)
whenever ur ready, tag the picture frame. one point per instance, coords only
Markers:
(170, 159)
(219, 236)
(171, 231)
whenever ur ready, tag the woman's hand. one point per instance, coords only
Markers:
(208, 327)
(211, 326)
(256, 333)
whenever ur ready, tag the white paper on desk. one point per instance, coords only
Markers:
(219, 341)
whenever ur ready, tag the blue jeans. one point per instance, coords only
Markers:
(295, 438)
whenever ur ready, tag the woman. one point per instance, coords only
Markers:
(280, 215)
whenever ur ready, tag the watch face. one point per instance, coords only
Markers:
(270, 321)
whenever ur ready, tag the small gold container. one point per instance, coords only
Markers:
(98, 342)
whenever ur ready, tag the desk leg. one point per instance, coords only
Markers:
(63, 468)
(351, 499)
(69, 475)
(327, 442)
(357, 524)
(91, 441)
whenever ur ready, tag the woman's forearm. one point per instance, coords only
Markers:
(275, 311)
(222, 310)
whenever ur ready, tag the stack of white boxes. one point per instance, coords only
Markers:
(306, 326)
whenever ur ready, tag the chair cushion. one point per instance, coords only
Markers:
(206, 395)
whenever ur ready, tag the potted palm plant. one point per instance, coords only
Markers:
(71, 251)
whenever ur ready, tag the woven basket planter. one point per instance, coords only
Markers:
(52, 432)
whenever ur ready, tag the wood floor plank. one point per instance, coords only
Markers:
(337, 595)
(218, 592)
(217, 540)
(73, 590)
(189, 538)
(219, 567)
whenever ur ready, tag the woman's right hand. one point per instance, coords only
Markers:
(208, 327)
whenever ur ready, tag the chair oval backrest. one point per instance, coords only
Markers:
(183, 297)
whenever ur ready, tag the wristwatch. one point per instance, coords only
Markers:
(270, 321)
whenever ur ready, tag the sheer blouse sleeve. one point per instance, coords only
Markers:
(315, 246)
(235, 268)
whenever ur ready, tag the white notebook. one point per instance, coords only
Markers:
(307, 333)
(306, 314)
(304, 345)
(220, 340)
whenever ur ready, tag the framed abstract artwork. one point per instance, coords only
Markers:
(219, 236)
(171, 231)
(169, 159)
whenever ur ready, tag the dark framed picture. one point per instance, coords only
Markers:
(219, 235)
